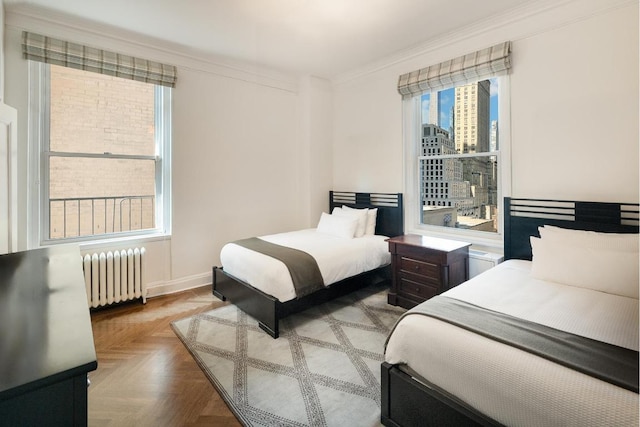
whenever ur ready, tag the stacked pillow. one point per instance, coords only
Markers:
(348, 222)
(360, 215)
(337, 226)
(605, 262)
(370, 223)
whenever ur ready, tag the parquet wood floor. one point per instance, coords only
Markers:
(145, 376)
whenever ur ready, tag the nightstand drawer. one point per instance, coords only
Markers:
(422, 291)
(419, 267)
(418, 278)
(419, 253)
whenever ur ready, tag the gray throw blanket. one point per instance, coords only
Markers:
(303, 268)
(607, 362)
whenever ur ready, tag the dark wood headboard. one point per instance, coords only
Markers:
(524, 216)
(390, 219)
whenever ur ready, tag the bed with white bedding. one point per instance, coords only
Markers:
(338, 258)
(349, 253)
(441, 371)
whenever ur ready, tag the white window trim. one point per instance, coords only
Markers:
(37, 210)
(411, 117)
(9, 174)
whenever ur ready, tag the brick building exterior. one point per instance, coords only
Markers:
(97, 114)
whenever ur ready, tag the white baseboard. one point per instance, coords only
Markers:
(163, 288)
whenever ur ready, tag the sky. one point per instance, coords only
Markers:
(446, 100)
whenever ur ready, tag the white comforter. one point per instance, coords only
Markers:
(512, 386)
(337, 258)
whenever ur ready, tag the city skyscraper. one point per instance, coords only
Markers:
(471, 117)
(434, 108)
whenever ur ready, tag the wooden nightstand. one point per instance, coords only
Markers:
(423, 267)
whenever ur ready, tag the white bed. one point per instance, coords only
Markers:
(347, 245)
(549, 337)
(337, 257)
(511, 386)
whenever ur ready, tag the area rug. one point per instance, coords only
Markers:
(323, 370)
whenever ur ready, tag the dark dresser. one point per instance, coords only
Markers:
(423, 267)
(46, 341)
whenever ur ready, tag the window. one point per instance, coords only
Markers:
(455, 159)
(468, 162)
(101, 154)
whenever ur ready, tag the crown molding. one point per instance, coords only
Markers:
(67, 27)
(519, 23)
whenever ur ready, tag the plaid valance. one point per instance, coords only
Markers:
(475, 66)
(53, 51)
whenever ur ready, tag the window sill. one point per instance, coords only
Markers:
(122, 241)
(116, 242)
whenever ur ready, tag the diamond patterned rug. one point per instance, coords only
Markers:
(323, 370)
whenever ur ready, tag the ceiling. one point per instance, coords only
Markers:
(321, 37)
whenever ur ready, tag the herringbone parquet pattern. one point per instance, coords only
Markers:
(145, 376)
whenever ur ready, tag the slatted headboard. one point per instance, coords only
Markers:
(524, 216)
(390, 219)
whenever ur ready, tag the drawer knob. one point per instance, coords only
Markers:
(416, 267)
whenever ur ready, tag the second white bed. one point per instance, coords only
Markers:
(512, 386)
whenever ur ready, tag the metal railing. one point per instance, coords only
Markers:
(87, 216)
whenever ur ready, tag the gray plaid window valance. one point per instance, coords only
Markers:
(484, 63)
(53, 51)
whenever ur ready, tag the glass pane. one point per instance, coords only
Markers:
(460, 191)
(95, 113)
(90, 196)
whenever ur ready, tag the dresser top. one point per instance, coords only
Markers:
(436, 243)
(46, 330)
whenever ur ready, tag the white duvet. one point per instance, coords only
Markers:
(512, 386)
(338, 258)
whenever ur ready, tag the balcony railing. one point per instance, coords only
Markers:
(88, 216)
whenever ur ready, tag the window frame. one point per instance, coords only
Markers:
(412, 132)
(39, 154)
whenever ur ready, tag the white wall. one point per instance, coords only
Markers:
(317, 165)
(575, 110)
(367, 133)
(574, 104)
(243, 162)
(1, 51)
(235, 151)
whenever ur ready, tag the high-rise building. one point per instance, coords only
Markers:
(473, 135)
(434, 108)
(471, 117)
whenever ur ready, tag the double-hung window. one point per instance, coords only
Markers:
(101, 167)
(455, 161)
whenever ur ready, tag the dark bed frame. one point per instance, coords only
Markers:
(409, 402)
(268, 310)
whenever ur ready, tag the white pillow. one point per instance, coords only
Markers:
(339, 226)
(613, 272)
(372, 217)
(359, 214)
(592, 239)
